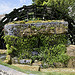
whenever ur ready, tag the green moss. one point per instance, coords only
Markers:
(66, 27)
(33, 21)
(52, 28)
(33, 27)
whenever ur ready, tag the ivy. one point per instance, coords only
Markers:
(50, 48)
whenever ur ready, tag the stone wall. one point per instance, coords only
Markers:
(25, 29)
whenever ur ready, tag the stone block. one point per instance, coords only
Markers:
(15, 60)
(3, 51)
(2, 57)
(8, 59)
(27, 67)
(59, 65)
(25, 61)
(37, 63)
(71, 50)
(71, 63)
(3, 54)
(5, 61)
(59, 30)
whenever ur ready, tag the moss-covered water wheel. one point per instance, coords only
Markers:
(24, 13)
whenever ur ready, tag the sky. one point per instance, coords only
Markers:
(6, 6)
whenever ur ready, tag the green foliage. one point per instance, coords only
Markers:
(34, 20)
(50, 48)
(20, 47)
(53, 54)
(60, 3)
(39, 2)
(9, 51)
(33, 27)
(52, 28)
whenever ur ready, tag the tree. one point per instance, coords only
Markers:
(61, 5)
(39, 2)
(60, 8)
(72, 11)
